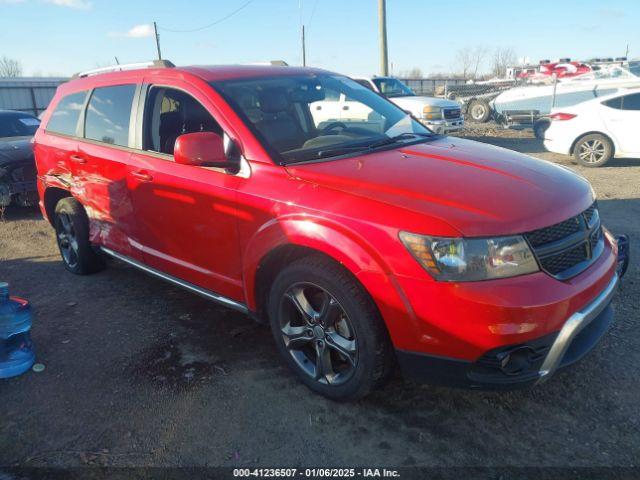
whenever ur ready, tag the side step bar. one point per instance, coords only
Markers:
(227, 302)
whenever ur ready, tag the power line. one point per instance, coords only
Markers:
(220, 20)
(313, 12)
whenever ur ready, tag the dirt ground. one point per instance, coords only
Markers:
(141, 373)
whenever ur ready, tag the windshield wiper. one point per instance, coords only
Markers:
(397, 138)
(332, 152)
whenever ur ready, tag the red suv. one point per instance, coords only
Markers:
(366, 240)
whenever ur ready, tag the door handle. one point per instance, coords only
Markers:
(142, 175)
(346, 107)
(319, 107)
(77, 159)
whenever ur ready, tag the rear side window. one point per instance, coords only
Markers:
(64, 118)
(109, 114)
(625, 102)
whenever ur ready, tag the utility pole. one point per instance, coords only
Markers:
(382, 33)
(304, 49)
(155, 30)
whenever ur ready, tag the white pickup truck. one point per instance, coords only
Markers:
(440, 115)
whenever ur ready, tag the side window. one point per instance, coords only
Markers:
(109, 114)
(614, 103)
(631, 102)
(64, 118)
(170, 113)
(365, 83)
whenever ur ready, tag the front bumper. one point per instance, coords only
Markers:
(443, 127)
(524, 364)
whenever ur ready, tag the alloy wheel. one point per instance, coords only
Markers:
(67, 239)
(318, 334)
(592, 151)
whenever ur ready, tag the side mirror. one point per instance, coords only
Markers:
(203, 149)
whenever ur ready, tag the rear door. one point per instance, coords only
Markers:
(58, 147)
(101, 166)
(622, 117)
(186, 215)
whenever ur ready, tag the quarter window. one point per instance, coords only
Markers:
(109, 114)
(614, 103)
(64, 118)
(631, 102)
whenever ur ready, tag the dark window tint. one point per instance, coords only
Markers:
(631, 102)
(365, 83)
(170, 113)
(64, 118)
(108, 114)
(614, 103)
(16, 124)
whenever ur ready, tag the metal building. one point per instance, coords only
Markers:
(28, 94)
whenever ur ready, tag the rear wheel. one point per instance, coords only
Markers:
(72, 234)
(593, 150)
(328, 330)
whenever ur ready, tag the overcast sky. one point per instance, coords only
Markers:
(64, 36)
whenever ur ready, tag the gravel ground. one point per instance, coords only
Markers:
(141, 373)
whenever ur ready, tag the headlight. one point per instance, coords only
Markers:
(471, 259)
(432, 113)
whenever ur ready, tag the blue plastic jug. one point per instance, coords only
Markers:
(16, 349)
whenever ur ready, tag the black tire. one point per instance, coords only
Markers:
(72, 234)
(593, 150)
(540, 127)
(372, 352)
(479, 110)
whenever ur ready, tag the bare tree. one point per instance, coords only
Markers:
(464, 60)
(503, 58)
(10, 67)
(469, 60)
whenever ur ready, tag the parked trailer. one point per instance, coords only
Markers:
(28, 94)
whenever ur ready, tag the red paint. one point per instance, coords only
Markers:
(213, 229)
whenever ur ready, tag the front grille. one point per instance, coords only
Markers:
(567, 248)
(554, 233)
(450, 113)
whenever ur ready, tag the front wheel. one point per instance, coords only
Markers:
(328, 330)
(593, 150)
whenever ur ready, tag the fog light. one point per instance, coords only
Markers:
(623, 254)
(517, 360)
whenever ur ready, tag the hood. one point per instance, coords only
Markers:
(476, 188)
(15, 149)
(420, 102)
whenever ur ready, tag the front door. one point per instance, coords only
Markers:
(187, 223)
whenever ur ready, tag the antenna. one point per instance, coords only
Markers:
(157, 35)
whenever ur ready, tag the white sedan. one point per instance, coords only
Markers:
(597, 130)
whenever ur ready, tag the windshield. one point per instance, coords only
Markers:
(315, 116)
(392, 87)
(634, 67)
(16, 124)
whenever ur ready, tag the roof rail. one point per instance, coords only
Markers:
(126, 66)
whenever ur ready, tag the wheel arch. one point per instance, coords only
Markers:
(51, 197)
(594, 132)
(285, 240)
